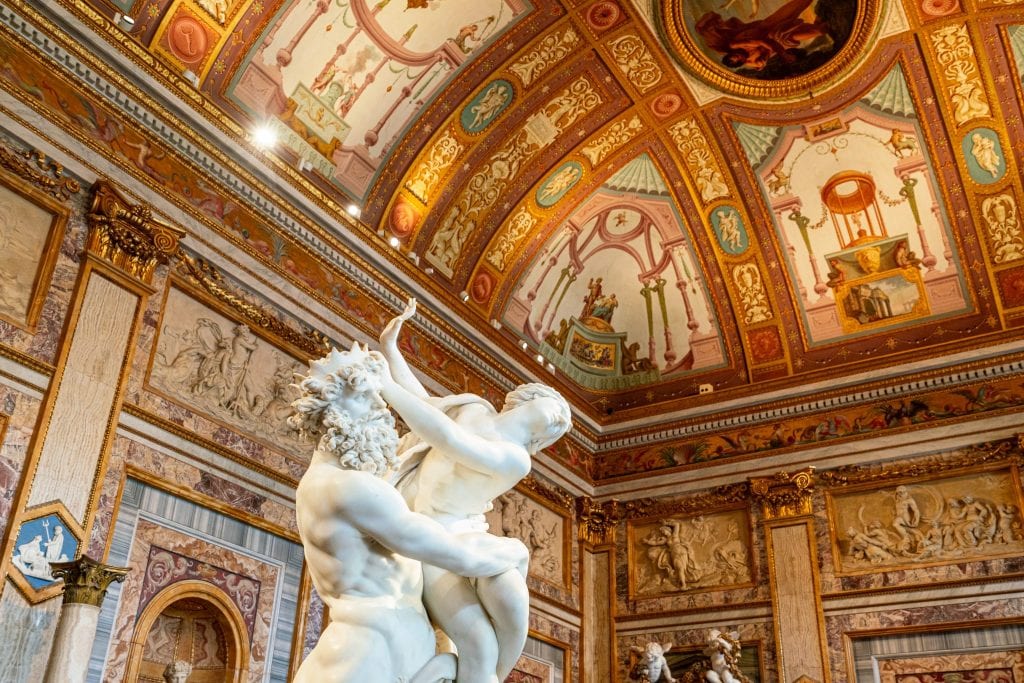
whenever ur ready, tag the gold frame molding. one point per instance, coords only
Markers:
(560, 504)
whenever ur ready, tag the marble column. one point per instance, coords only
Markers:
(85, 585)
(799, 622)
(596, 524)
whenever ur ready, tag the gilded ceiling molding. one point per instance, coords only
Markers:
(559, 498)
(718, 497)
(785, 494)
(959, 73)
(202, 273)
(126, 236)
(612, 138)
(636, 62)
(701, 162)
(549, 51)
(597, 520)
(1008, 451)
(46, 174)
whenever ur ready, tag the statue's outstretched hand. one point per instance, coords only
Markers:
(389, 336)
(496, 554)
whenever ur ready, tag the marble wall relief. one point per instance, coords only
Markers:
(49, 535)
(31, 228)
(927, 522)
(689, 554)
(544, 529)
(993, 667)
(859, 215)
(208, 361)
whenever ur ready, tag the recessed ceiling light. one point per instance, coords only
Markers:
(264, 136)
(540, 358)
(395, 242)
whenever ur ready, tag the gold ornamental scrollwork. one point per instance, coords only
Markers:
(86, 580)
(126, 236)
(1009, 451)
(597, 520)
(785, 494)
(206, 276)
(36, 168)
(716, 498)
(559, 498)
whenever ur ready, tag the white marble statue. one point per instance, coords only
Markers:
(723, 649)
(177, 672)
(651, 666)
(459, 456)
(362, 543)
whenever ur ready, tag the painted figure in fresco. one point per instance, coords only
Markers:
(755, 6)
(983, 149)
(783, 36)
(604, 308)
(593, 294)
(729, 228)
(462, 454)
(779, 181)
(363, 546)
(560, 182)
(901, 142)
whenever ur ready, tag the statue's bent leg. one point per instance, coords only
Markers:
(507, 600)
(453, 605)
(347, 654)
(441, 668)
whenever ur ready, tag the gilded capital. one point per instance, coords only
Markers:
(126, 236)
(785, 494)
(597, 520)
(86, 580)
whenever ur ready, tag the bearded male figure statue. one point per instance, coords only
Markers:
(363, 545)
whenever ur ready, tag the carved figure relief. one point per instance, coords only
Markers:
(955, 53)
(752, 294)
(222, 368)
(636, 62)
(486, 106)
(40, 542)
(26, 237)
(1004, 229)
(685, 554)
(940, 521)
(729, 230)
(983, 155)
(540, 529)
(559, 183)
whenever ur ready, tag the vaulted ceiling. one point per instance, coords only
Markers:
(666, 204)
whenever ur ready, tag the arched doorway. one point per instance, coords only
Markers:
(195, 623)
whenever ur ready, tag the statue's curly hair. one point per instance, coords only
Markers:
(359, 430)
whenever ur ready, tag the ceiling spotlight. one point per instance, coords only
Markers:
(464, 296)
(414, 257)
(540, 358)
(394, 242)
(551, 367)
(428, 270)
(495, 323)
(264, 137)
(191, 77)
(124, 21)
(305, 165)
(353, 210)
(524, 345)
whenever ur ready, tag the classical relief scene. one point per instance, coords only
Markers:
(543, 531)
(219, 366)
(929, 522)
(991, 667)
(679, 554)
(26, 235)
(341, 81)
(616, 298)
(856, 207)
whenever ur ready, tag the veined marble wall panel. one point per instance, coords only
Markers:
(16, 424)
(26, 230)
(78, 423)
(541, 662)
(27, 636)
(143, 459)
(151, 521)
(217, 365)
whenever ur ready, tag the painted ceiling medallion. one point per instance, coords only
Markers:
(767, 48)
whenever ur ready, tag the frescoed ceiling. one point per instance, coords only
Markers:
(665, 204)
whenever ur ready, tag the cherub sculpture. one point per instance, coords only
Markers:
(651, 666)
(723, 649)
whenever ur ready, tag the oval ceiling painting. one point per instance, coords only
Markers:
(767, 47)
